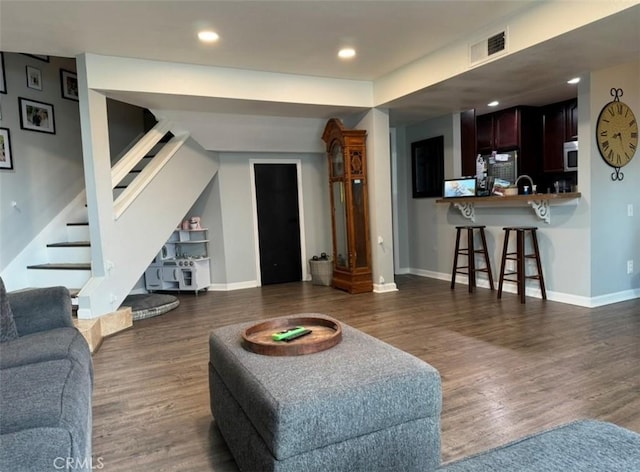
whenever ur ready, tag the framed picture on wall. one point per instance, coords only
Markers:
(69, 84)
(3, 81)
(36, 116)
(6, 159)
(34, 78)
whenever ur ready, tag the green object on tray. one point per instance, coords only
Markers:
(289, 334)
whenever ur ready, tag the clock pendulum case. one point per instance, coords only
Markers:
(617, 134)
(347, 155)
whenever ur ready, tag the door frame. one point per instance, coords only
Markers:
(254, 210)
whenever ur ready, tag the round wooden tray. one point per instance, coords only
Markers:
(325, 333)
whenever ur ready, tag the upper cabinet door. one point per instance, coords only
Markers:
(553, 137)
(571, 116)
(484, 134)
(507, 129)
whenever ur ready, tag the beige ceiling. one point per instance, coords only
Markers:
(303, 36)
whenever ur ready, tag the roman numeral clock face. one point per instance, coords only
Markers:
(617, 134)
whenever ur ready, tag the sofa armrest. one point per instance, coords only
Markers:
(41, 309)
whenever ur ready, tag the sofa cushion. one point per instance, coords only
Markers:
(8, 329)
(51, 394)
(60, 343)
(37, 449)
(41, 309)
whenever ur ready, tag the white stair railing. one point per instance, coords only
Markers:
(126, 198)
(138, 151)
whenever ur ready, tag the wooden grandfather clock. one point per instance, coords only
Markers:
(346, 150)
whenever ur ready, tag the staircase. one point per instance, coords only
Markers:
(139, 185)
(69, 262)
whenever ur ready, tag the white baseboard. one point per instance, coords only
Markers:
(384, 288)
(535, 292)
(233, 286)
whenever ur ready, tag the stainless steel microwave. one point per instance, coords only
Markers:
(570, 156)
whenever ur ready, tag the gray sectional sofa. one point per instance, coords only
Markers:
(46, 380)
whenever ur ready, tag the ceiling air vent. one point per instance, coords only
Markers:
(488, 48)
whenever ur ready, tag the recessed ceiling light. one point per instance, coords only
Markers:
(346, 53)
(494, 103)
(573, 81)
(208, 36)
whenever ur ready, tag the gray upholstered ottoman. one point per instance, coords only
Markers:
(581, 446)
(361, 405)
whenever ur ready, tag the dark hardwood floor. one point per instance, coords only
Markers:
(508, 369)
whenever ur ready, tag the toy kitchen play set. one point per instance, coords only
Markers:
(183, 262)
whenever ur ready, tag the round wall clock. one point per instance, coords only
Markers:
(617, 134)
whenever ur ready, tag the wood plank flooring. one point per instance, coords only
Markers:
(508, 369)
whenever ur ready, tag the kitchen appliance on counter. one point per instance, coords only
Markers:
(570, 151)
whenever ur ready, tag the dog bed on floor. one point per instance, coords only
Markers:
(148, 305)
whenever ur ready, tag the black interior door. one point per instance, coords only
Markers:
(278, 223)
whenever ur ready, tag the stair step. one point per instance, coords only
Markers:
(70, 244)
(66, 274)
(75, 252)
(78, 231)
(61, 266)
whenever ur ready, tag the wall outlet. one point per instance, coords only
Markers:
(630, 266)
(630, 209)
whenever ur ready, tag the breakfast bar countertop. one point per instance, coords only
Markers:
(540, 202)
(511, 198)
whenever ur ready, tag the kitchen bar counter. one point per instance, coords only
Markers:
(540, 202)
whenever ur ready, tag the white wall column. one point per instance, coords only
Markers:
(376, 122)
(97, 171)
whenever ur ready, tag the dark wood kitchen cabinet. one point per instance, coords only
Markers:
(571, 120)
(516, 128)
(468, 141)
(485, 136)
(506, 129)
(559, 125)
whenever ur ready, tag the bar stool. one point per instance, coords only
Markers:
(520, 256)
(470, 251)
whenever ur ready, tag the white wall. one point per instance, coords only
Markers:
(227, 209)
(47, 168)
(225, 132)
(427, 246)
(615, 236)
